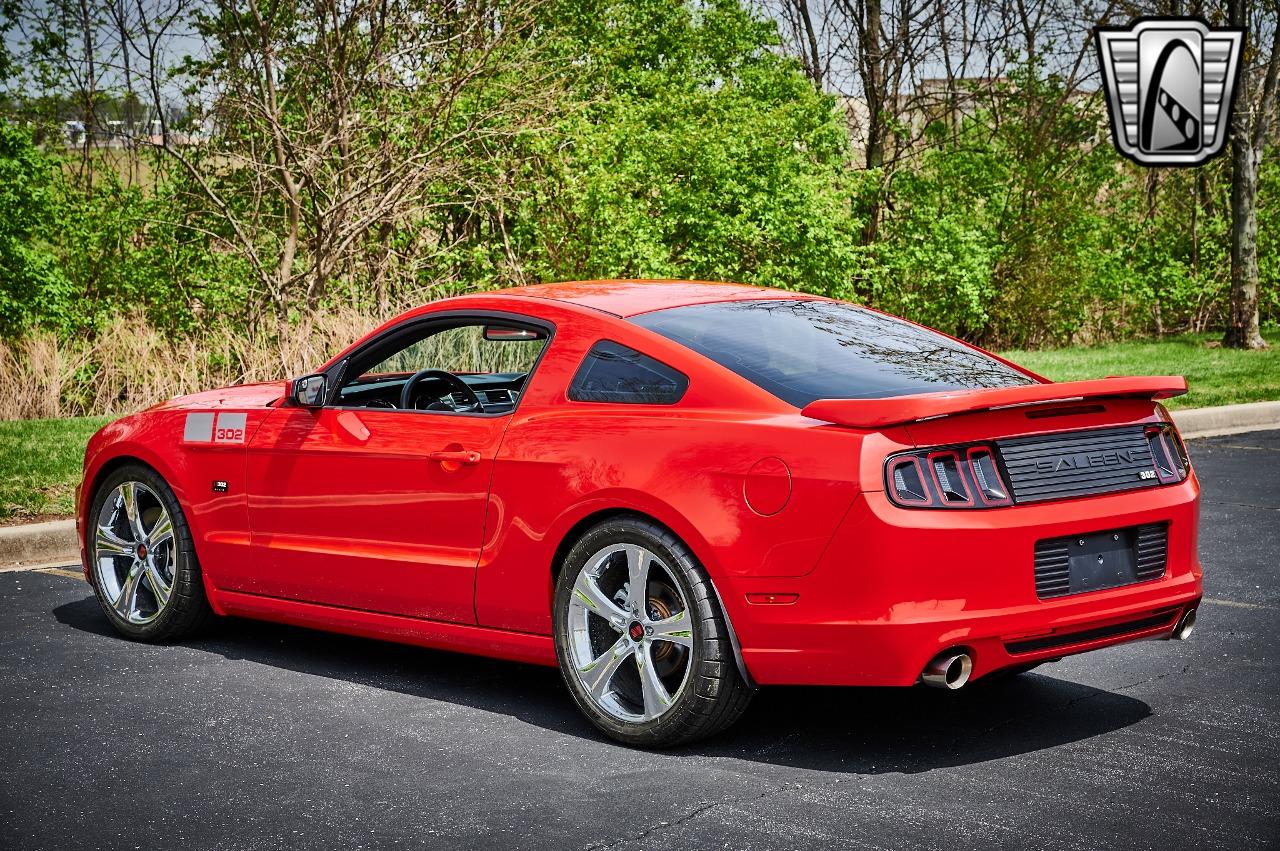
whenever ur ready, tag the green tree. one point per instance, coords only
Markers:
(1001, 225)
(33, 288)
(692, 150)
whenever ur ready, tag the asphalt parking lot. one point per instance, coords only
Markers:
(264, 736)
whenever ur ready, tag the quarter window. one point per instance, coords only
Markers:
(614, 373)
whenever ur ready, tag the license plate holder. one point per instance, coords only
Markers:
(1102, 560)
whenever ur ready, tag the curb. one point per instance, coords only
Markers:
(39, 543)
(1226, 419)
(55, 541)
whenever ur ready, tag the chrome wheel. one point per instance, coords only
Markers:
(630, 633)
(133, 552)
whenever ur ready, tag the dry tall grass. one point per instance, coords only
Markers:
(462, 349)
(130, 365)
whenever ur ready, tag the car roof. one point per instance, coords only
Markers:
(627, 298)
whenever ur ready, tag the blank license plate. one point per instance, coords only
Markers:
(1102, 560)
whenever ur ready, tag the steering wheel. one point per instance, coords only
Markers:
(456, 385)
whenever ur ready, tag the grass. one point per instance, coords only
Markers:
(1215, 376)
(40, 464)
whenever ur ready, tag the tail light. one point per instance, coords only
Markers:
(949, 478)
(991, 486)
(1172, 463)
(907, 482)
(959, 477)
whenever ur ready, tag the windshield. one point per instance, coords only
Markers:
(801, 351)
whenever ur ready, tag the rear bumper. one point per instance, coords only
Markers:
(894, 654)
(896, 587)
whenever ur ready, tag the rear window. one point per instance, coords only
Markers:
(805, 350)
(614, 373)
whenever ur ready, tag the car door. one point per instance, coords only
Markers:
(371, 508)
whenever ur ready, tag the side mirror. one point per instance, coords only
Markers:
(310, 391)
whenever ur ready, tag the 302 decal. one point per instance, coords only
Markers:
(205, 427)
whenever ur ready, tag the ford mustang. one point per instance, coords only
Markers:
(675, 492)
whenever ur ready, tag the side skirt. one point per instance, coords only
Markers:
(438, 635)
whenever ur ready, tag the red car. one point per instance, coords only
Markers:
(674, 491)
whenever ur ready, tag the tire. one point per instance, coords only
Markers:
(674, 683)
(153, 593)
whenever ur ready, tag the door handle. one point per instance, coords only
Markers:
(456, 456)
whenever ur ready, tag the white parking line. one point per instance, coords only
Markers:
(61, 568)
(1235, 604)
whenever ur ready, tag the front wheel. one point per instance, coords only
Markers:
(142, 559)
(642, 643)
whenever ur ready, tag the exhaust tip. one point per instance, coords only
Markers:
(1186, 626)
(949, 670)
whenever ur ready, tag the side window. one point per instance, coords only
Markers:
(614, 373)
(465, 350)
(454, 364)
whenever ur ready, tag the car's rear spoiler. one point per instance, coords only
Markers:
(898, 410)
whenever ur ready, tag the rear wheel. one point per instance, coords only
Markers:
(142, 561)
(643, 645)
